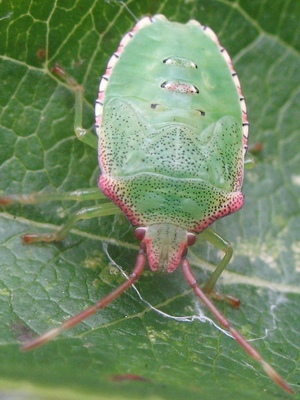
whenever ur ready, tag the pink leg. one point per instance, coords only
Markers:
(46, 337)
(236, 334)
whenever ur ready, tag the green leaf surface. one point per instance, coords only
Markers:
(41, 285)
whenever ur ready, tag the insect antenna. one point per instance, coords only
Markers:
(273, 374)
(69, 323)
(120, 2)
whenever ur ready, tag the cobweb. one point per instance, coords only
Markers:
(199, 314)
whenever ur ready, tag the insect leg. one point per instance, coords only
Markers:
(250, 158)
(69, 323)
(82, 134)
(274, 375)
(99, 210)
(43, 197)
(216, 240)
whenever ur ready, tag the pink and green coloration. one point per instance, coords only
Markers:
(172, 134)
(172, 130)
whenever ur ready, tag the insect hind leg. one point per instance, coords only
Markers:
(82, 134)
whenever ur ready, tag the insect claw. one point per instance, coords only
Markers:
(4, 201)
(233, 301)
(58, 70)
(30, 238)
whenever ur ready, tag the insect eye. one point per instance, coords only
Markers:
(140, 233)
(191, 239)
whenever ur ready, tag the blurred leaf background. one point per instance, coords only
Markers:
(41, 285)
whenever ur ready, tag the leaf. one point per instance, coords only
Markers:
(41, 285)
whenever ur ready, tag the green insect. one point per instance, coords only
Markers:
(172, 129)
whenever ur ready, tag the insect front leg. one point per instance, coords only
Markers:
(220, 243)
